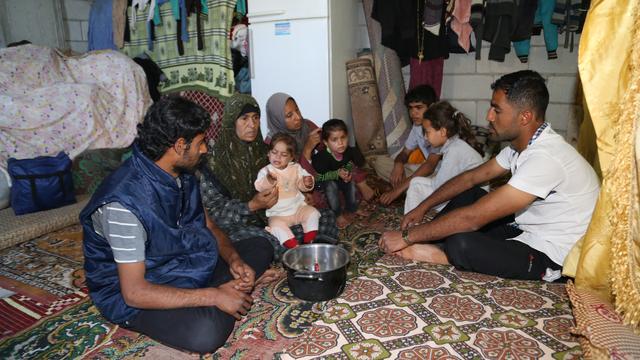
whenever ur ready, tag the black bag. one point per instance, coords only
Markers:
(41, 183)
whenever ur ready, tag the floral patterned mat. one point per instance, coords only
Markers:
(391, 308)
(46, 313)
(398, 309)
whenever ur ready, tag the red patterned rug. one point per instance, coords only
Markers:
(391, 308)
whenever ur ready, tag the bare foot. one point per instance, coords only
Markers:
(388, 197)
(366, 191)
(424, 252)
(362, 212)
(342, 221)
(268, 276)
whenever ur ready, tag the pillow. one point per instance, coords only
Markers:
(599, 327)
(416, 157)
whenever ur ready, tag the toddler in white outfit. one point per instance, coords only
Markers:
(290, 179)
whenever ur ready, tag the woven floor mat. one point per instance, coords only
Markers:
(391, 308)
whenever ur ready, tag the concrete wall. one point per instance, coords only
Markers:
(57, 23)
(466, 82)
(33, 20)
(2, 41)
(76, 20)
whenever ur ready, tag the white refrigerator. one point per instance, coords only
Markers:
(300, 47)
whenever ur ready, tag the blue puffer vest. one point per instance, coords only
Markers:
(180, 249)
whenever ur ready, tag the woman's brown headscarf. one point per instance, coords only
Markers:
(234, 162)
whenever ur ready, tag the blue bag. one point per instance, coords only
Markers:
(41, 183)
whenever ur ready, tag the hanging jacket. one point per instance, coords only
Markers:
(180, 250)
(400, 22)
(498, 26)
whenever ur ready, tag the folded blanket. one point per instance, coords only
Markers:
(51, 103)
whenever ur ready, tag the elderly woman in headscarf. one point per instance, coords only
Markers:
(284, 116)
(227, 179)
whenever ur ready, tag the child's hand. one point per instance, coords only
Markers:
(344, 174)
(307, 181)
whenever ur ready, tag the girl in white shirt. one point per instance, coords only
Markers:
(450, 130)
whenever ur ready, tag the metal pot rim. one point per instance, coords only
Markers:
(337, 248)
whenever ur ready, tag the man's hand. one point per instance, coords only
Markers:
(413, 217)
(232, 301)
(244, 273)
(264, 199)
(344, 174)
(388, 197)
(307, 181)
(391, 241)
(397, 174)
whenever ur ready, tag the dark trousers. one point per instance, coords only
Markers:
(203, 329)
(488, 251)
(332, 190)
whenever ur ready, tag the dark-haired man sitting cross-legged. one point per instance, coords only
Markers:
(552, 192)
(154, 261)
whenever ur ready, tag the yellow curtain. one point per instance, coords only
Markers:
(607, 259)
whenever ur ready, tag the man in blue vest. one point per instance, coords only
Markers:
(154, 261)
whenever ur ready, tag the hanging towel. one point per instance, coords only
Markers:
(100, 26)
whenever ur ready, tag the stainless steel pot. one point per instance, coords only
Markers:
(316, 272)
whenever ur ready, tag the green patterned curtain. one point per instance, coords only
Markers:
(210, 69)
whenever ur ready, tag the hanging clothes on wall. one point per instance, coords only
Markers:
(415, 29)
(569, 16)
(542, 19)
(498, 18)
(241, 7)
(427, 72)
(239, 54)
(402, 28)
(476, 19)
(460, 24)
(180, 10)
(432, 16)
(506, 21)
(523, 19)
(100, 34)
(119, 19)
(208, 69)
